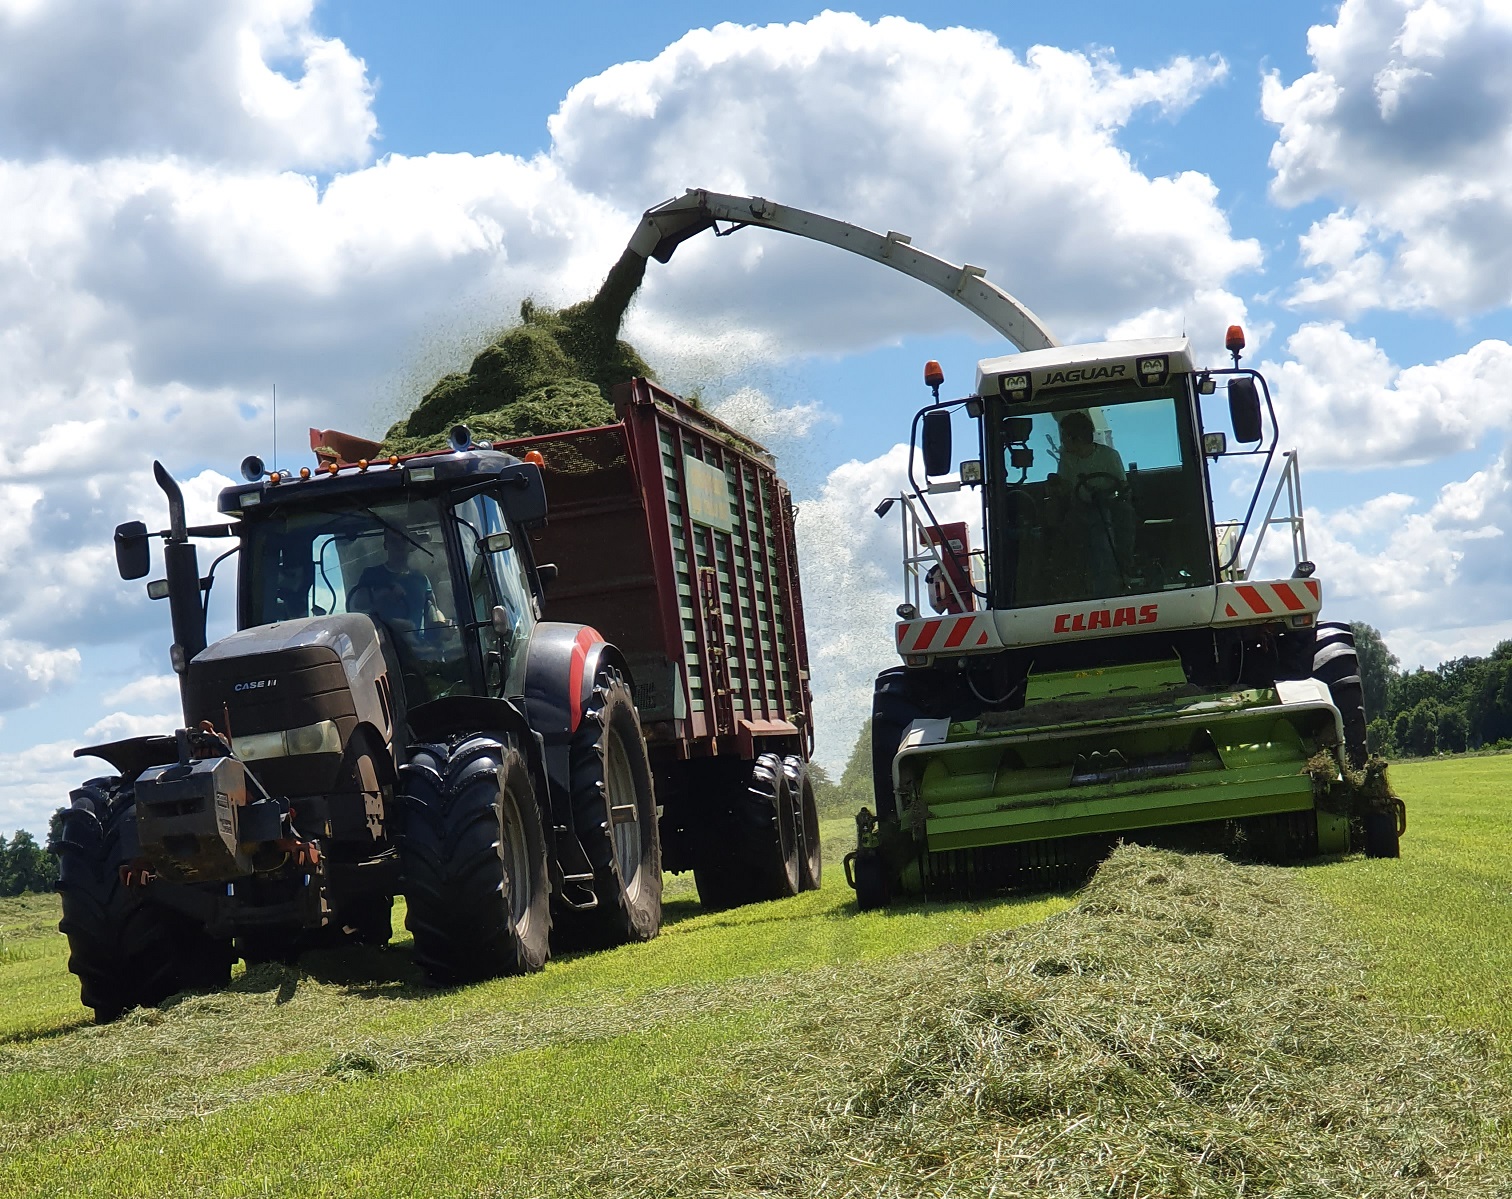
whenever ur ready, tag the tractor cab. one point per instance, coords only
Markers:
(435, 561)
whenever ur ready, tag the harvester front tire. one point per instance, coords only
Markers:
(473, 854)
(614, 813)
(1337, 665)
(806, 819)
(870, 876)
(127, 951)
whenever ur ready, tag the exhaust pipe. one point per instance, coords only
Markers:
(185, 599)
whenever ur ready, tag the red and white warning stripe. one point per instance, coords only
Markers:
(964, 634)
(1253, 601)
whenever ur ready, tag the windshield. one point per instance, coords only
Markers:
(1091, 501)
(387, 560)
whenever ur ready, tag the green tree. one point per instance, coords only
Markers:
(1378, 737)
(1422, 729)
(1453, 730)
(1415, 687)
(1378, 667)
(25, 865)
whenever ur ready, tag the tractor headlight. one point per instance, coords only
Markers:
(322, 737)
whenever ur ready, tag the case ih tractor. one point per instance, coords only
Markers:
(1107, 664)
(391, 715)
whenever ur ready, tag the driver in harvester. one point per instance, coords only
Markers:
(395, 592)
(1088, 488)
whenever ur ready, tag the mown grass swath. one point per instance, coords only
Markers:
(1229, 1030)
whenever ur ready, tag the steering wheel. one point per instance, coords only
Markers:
(1108, 487)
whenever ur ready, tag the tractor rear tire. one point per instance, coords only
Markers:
(127, 951)
(614, 813)
(473, 854)
(754, 855)
(1336, 664)
(806, 817)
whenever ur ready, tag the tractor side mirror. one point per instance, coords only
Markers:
(524, 495)
(1244, 409)
(936, 443)
(133, 556)
(495, 543)
(546, 572)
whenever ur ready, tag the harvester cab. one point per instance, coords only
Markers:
(1106, 662)
(391, 715)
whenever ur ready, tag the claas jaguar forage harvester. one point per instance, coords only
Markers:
(1108, 664)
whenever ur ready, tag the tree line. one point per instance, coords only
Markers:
(26, 865)
(1464, 703)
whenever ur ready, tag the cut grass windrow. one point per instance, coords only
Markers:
(1187, 1029)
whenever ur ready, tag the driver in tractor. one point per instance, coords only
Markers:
(395, 592)
(1088, 494)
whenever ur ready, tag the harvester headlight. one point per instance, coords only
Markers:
(971, 471)
(322, 737)
(1152, 371)
(1014, 387)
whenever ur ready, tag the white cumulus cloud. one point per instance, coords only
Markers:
(1404, 121)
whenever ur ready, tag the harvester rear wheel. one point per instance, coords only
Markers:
(806, 817)
(614, 813)
(473, 854)
(127, 951)
(1337, 665)
(754, 855)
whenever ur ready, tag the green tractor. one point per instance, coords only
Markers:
(1107, 664)
(392, 716)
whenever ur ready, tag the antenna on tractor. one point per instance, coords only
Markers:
(275, 426)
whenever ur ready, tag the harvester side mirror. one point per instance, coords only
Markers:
(936, 443)
(1244, 410)
(133, 556)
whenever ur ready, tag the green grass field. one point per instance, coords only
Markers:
(1437, 925)
(345, 1077)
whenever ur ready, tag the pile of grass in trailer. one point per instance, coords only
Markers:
(1187, 1029)
(553, 372)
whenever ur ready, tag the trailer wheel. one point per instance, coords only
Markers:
(806, 816)
(473, 855)
(127, 951)
(614, 812)
(754, 855)
(1336, 664)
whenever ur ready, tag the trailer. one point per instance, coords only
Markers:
(674, 538)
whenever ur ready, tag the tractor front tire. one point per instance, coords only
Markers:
(614, 814)
(127, 951)
(806, 818)
(473, 854)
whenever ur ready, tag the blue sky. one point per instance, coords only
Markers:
(345, 198)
